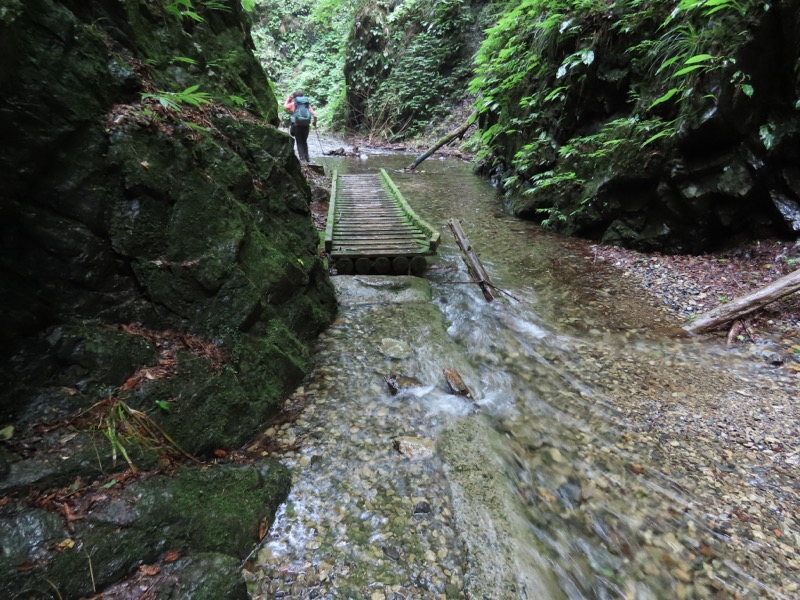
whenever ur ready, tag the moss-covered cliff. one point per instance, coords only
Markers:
(159, 260)
(659, 125)
(390, 69)
(191, 216)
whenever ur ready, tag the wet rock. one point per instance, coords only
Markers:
(415, 448)
(391, 552)
(395, 348)
(205, 576)
(456, 384)
(789, 208)
(24, 539)
(397, 382)
(422, 508)
(774, 359)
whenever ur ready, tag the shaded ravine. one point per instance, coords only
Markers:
(600, 459)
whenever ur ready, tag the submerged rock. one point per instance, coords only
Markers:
(395, 348)
(398, 383)
(456, 384)
(415, 448)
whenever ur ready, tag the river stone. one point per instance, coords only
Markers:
(422, 508)
(391, 552)
(415, 448)
(398, 383)
(395, 348)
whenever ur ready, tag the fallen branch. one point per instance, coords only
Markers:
(442, 141)
(474, 266)
(736, 309)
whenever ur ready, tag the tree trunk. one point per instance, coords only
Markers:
(442, 141)
(746, 304)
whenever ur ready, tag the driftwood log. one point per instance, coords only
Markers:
(474, 265)
(442, 141)
(739, 307)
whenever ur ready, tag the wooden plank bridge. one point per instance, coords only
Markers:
(372, 229)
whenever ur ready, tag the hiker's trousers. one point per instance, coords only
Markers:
(300, 133)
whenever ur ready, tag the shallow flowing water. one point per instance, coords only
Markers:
(603, 455)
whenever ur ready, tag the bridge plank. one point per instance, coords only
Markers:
(372, 220)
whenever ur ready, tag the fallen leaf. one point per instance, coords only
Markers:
(263, 528)
(145, 164)
(172, 556)
(149, 570)
(26, 567)
(131, 383)
(66, 544)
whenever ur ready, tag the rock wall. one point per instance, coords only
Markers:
(593, 142)
(158, 258)
(121, 211)
(407, 64)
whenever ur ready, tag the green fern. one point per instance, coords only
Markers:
(176, 100)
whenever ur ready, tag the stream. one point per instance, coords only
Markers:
(599, 457)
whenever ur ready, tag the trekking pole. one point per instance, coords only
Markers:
(321, 150)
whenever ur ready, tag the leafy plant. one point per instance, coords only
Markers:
(124, 426)
(183, 59)
(174, 100)
(181, 9)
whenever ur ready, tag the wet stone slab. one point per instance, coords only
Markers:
(372, 289)
(365, 520)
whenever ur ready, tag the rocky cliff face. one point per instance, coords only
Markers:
(158, 252)
(192, 217)
(407, 64)
(656, 127)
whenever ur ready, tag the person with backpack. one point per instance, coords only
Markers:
(303, 117)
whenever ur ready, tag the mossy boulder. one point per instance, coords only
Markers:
(67, 368)
(209, 515)
(118, 213)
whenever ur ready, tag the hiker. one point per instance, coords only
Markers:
(303, 116)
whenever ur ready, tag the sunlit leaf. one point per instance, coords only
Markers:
(665, 97)
(686, 70)
(699, 58)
